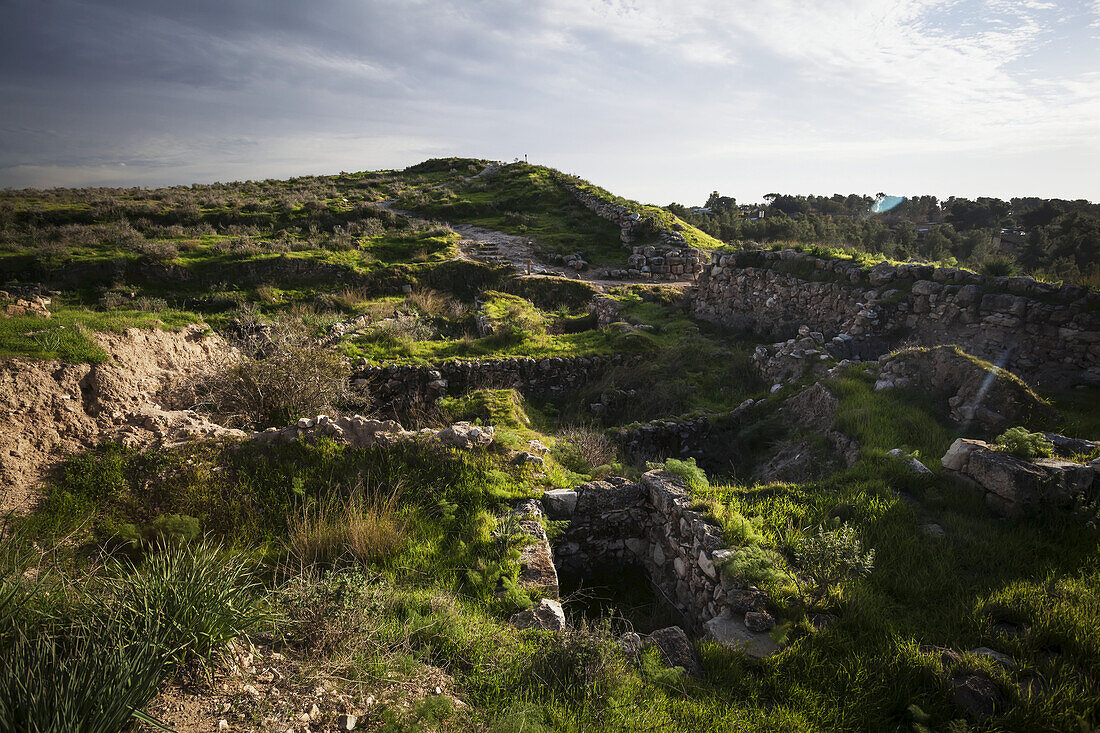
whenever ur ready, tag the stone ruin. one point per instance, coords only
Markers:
(650, 524)
(1013, 486)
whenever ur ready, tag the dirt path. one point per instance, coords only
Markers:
(494, 247)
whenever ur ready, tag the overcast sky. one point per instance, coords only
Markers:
(659, 101)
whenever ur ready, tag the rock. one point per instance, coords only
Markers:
(977, 696)
(528, 459)
(947, 657)
(676, 649)
(707, 566)
(223, 724)
(1016, 486)
(1069, 447)
(346, 722)
(730, 631)
(547, 615)
(1002, 659)
(933, 531)
(560, 503)
(912, 463)
(631, 644)
(958, 455)
(970, 387)
(759, 621)
(464, 435)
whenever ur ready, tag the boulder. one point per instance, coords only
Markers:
(676, 649)
(977, 696)
(1014, 485)
(731, 631)
(547, 615)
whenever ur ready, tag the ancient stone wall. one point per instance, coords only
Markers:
(652, 524)
(398, 387)
(1040, 331)
(702, 437)
(668, 256)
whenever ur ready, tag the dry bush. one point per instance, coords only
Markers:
(583, 448)
(359, 529)
(429, 302)
(274, 378)
(157, 251)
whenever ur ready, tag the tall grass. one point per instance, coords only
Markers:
(197, 595)
(339, 530)
(89, 675)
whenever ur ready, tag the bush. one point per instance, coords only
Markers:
(337, 530)
(276, 379)
(1019, 442)
(829, 558)
(583, 449)
(197, 596)
(157, 252)
(694, 476)
(758, 565)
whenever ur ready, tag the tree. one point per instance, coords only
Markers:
(717, 202)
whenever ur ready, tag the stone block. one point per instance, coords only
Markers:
(560, 503)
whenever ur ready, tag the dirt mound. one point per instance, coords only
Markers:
(49, 408)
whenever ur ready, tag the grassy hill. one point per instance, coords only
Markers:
(250, 582)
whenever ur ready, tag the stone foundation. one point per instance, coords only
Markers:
(401, 387)
(652, 524)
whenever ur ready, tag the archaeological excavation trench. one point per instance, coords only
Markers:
(645, 532)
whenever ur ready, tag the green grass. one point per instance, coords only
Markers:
(882, 421)
(656, 216)
(66, 335)
(526, 200)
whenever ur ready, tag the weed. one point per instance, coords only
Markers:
(198, 597)
(274, 380)
(1020, 442)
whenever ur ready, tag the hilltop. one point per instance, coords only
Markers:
(475, 445)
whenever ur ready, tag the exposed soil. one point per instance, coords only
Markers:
(138, 398)
(260, 689)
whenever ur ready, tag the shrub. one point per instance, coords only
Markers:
(694, 476)
(1019, 442)
(335, 531)
(829, 558)
(583, 449)
(275, 379)
(197, 596)
(157, 252)
(581, 663)
(757, 564)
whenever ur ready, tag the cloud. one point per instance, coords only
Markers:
(208, 89)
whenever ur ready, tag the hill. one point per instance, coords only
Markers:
(483, 446)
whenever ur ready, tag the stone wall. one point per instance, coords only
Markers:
(668, 257)
(705, 438)
(1042, 332)
(400, 387)
(652, 524)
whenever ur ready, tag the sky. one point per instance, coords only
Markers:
(657, 101)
